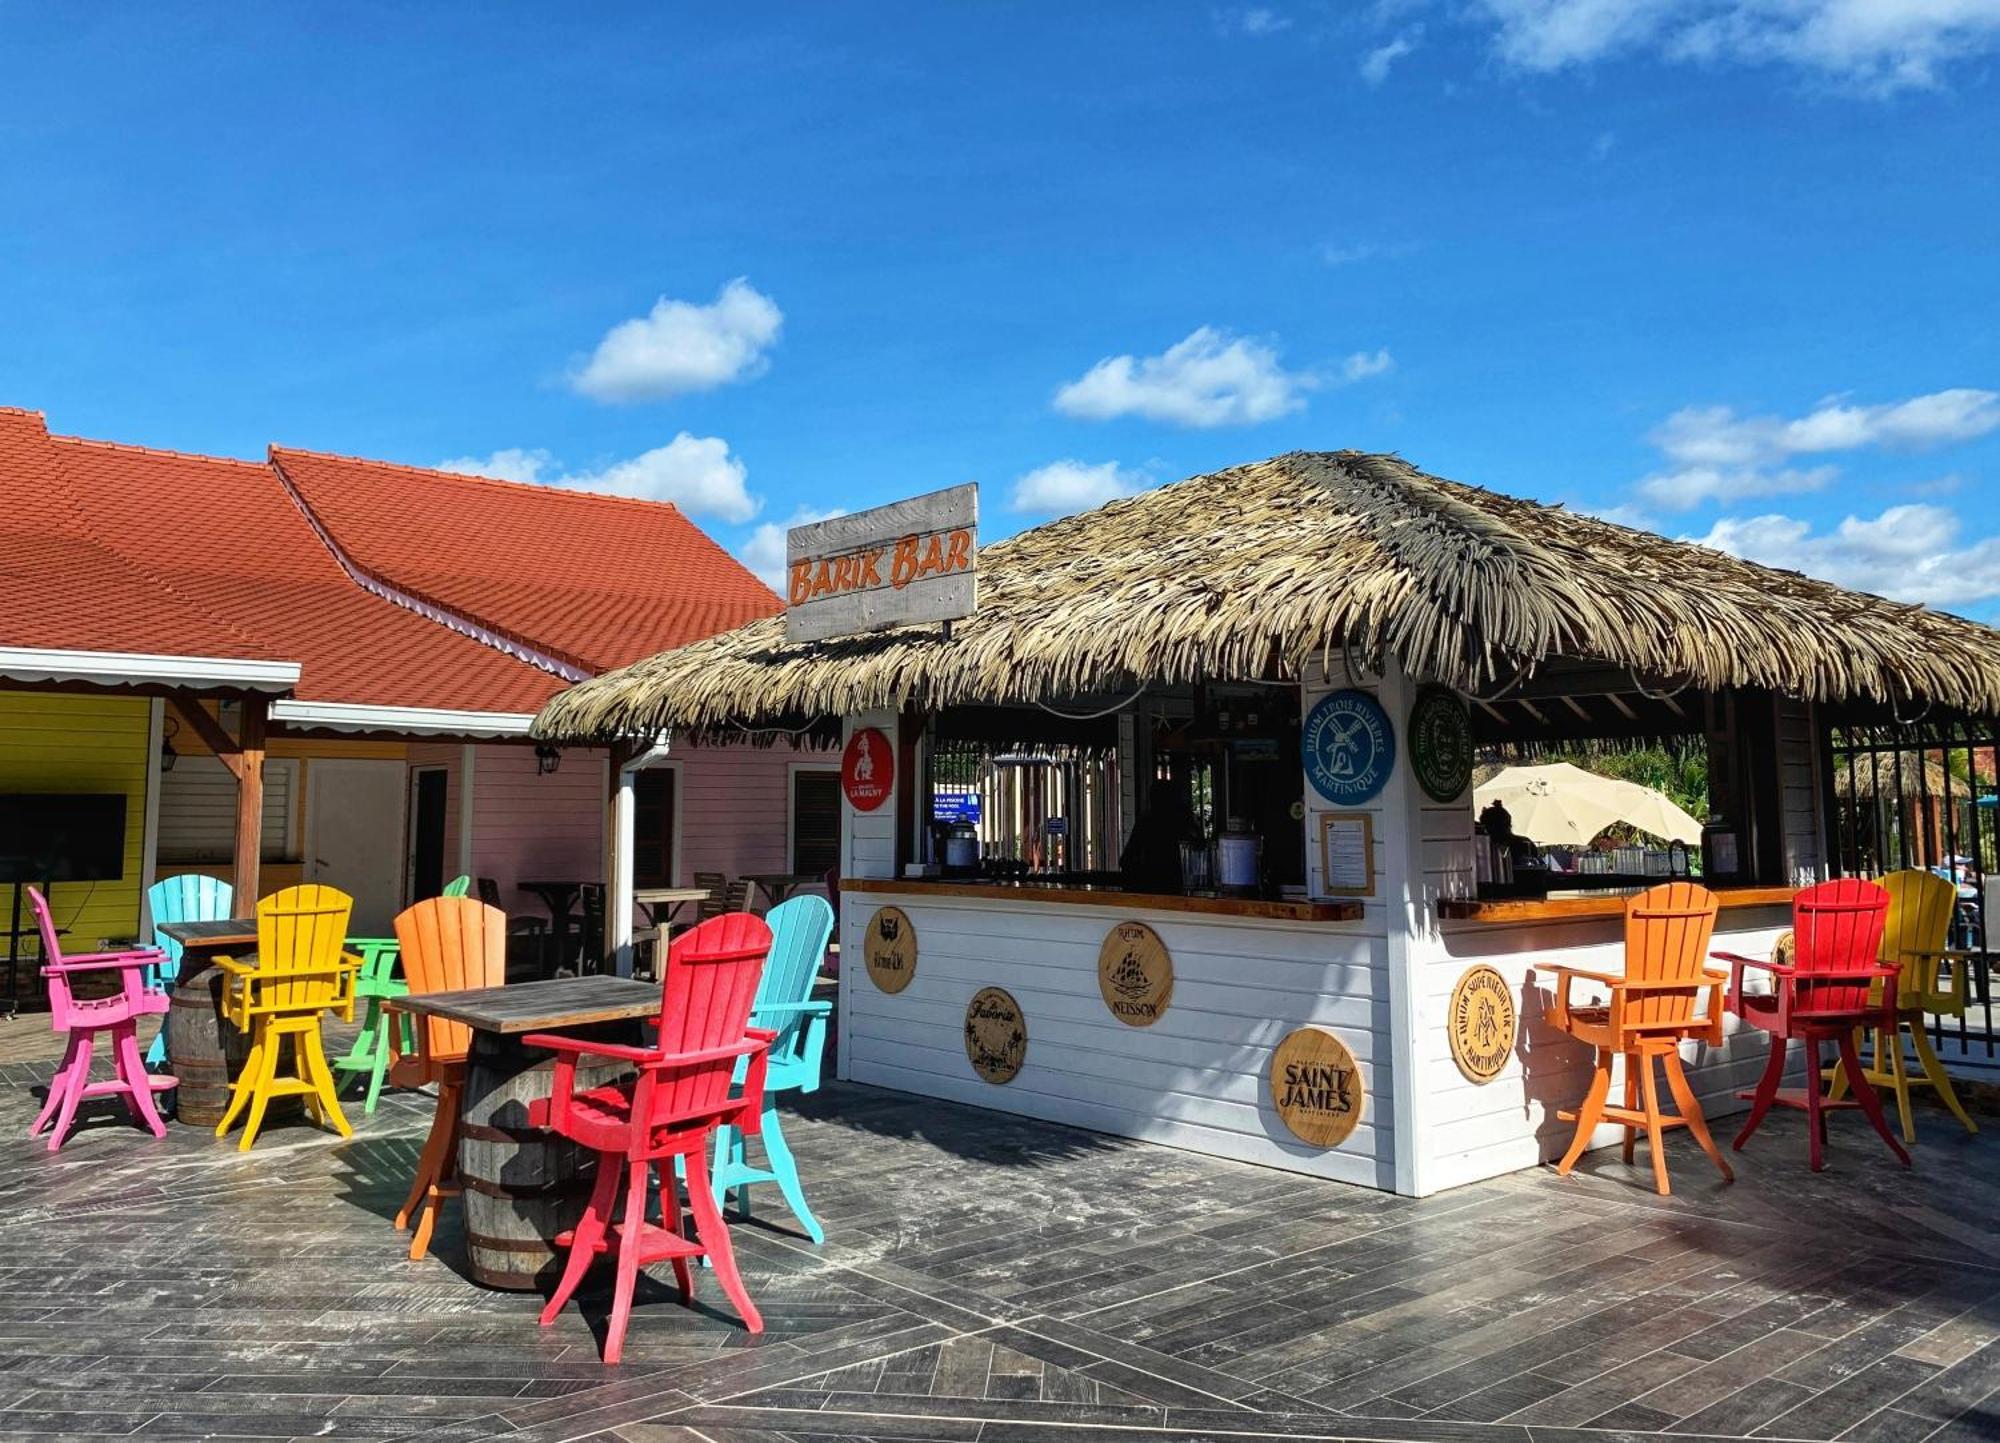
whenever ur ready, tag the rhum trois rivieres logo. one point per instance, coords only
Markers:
(1316, 1087)
(1135, 974)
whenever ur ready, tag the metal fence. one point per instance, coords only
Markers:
(1921, 794)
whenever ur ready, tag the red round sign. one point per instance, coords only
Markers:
(868, 770)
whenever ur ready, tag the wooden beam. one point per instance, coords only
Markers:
(1619, 702)
(212, 731)
(249, 751)
(1576, 706)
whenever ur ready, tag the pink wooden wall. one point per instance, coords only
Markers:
(734, 803)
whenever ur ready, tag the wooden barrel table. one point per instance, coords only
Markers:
(204, 1051)
(522, 1184)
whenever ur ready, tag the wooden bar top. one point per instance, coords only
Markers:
(1256, 907)
(1598, 904)
(546, 1006)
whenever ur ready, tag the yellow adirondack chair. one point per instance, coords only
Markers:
(1913, 938)
(300, 973)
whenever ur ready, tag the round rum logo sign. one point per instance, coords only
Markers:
(867, 770)
(996, 1035)
(890, 949)
(1135, 973)
(1482, 1023)
(1315, 1087)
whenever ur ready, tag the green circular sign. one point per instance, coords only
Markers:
(1441, 744)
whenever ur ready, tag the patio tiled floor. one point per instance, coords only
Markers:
(993, 1279)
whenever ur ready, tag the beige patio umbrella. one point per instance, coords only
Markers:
(1563, 804)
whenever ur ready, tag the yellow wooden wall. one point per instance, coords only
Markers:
(57, 743)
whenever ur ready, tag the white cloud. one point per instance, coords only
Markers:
(696, 473)
(1716, 454)
(1209, 379)
(1255, 21)
(1364, 364)
(1876, 45)
(513, 463)
(681, 346)
(1375, 64)
(764, 552)
(1908, 553)
(1064, 486)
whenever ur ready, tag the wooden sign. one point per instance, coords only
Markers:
(1347, 854)
(890, 949)
(1482, 1024)
(996, 1035)
(1441, 744)
(867, 769)
(1135, 974)
(1316, 1087)
(910, 561)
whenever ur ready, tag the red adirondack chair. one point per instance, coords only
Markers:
(1822, 996)
(84, 1018)
(672, 1109)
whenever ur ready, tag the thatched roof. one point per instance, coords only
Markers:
(1253, 572)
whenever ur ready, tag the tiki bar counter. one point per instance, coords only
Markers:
(1159, 820)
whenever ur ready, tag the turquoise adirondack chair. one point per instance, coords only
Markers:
(799, 932)
(189, 898)
(374, 985)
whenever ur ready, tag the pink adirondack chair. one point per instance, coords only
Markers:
(1821, 997)
(681, 1095)
(84, 1018)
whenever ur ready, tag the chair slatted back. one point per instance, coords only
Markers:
(1918, 925)
(61, 1000)
(1836, 927)
(300, 933)
(799, 932)
(1667, 929)
(458, 886)
(191, 897)
(451, 944)
(715, 903)
(711, 979)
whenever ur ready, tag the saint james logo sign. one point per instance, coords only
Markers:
(910, 561)
(1315, 1087)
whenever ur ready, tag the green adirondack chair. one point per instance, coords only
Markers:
(378, 983)
(799, 932)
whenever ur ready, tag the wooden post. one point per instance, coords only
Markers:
(249, 801)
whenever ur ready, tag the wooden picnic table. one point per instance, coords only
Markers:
(671, 898)
(780, 885)
(523, 1185)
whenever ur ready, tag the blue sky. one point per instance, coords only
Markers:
(1728, 268)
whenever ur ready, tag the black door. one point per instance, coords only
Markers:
(427, 850)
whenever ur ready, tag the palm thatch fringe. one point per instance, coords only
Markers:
(1256, 571)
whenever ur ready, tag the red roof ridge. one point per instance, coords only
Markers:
(542, 488)
(127, 446)
(26, 411)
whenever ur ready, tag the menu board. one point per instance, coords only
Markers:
(1347, 854)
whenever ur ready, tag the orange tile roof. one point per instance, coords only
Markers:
(230, 535)
(65, 585)
(598, 581)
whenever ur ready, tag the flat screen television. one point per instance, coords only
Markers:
(62, 837)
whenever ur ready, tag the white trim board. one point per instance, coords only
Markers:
(130, 668)
(342, 716)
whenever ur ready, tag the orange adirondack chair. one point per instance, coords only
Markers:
(1913, 942)
(1651, 1012)
(1834, 985)
(448, 944)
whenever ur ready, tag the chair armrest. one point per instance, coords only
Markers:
(103, 961)
(1737, 959)
(758, 1042)
(808, 1009)
(236, 968)
(578, 1047)
(1565, 976)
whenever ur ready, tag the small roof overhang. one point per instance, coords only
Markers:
(137, 669)
(342, 716)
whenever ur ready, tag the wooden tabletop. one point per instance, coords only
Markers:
(656, 896)
(1596, 904)
(229, 932)
(541, 1006)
